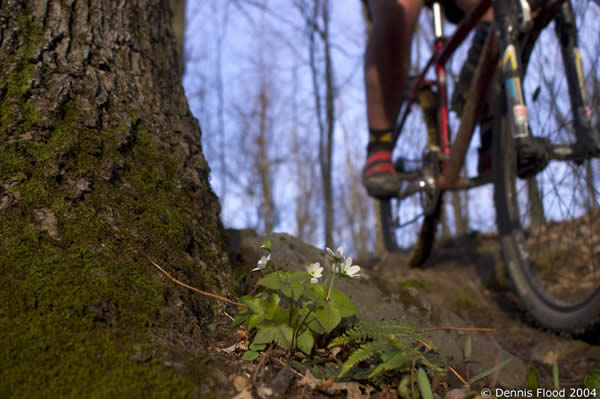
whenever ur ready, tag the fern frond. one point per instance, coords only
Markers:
(352, 335)
(364, 352)
(400, 361)
(367, 330)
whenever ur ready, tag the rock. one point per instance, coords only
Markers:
(282, 381)
(456, 393)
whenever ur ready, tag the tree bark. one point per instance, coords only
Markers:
(101, 168)
(178, 8)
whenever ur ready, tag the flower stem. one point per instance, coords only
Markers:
(333, 273)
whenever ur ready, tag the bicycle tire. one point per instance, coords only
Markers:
(425, 238)
(551, 250)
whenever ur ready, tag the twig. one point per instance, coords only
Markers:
(208, 294)
(460, 329)
(283, 364)
(425, 345)
(228, 316)
(261, 363)
(458, 376)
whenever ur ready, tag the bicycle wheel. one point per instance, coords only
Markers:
(412, 222)
(550, 224)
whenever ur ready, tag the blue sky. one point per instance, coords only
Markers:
(228, 42)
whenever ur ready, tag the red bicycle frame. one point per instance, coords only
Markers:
(452, 161)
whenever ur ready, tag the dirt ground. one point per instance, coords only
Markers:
(464, 276)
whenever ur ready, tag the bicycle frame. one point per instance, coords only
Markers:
(452, 159)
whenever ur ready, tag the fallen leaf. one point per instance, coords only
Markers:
(240, 383)
(229, 349)
(242, 334)
(335, 351)
(243, 395)
(352, 389)
(264, 392)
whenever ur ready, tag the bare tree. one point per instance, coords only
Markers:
(316, 14)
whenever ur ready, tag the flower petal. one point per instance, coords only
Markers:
(353, 270)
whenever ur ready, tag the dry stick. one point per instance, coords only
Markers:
(208, 294)
(261, 363)
(458, 376)
(283, 364)
(228, 316)
(460, 329)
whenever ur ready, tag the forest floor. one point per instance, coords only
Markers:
(463, 284)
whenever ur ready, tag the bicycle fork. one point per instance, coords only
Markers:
(587, 143)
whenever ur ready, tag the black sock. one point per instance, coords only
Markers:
(380, 140)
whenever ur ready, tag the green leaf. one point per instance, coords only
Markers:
(292, 290)
(485, 373)
(533, 381)
(329, 316)
(279, 333)
(254, 320)
(281, 316)
(592, 381)
(316, 291)
(266, 245)
(271, 305)
(306, 342)
(298, 277)
(250, 356)
(242, 317)
(403, 388)
(273, 281)
(315, 325)
(254, 304)
(257, 347)
(345, 307)
(424, 385)
(555, 373)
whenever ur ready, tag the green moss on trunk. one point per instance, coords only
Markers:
(83, 313)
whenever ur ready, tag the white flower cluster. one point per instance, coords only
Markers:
(343, 265)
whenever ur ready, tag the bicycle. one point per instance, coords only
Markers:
(548, 224)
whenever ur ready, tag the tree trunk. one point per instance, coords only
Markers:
(536, 205)
(263, 162)
(101, 169)
(178, 8)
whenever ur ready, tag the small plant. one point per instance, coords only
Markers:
(293, 307)
(387, 347)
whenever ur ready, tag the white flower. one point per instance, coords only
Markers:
(339, 253)
(262, 263)
(348, 269)
(316, 272)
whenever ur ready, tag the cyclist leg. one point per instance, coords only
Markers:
(387, 61)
